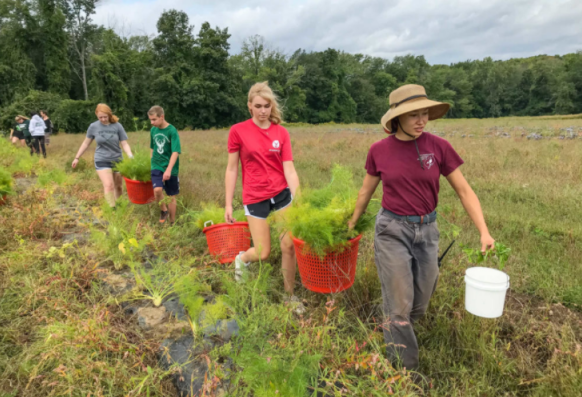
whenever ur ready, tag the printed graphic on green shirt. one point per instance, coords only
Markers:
(163, 143)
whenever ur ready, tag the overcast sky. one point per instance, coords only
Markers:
(444, 31)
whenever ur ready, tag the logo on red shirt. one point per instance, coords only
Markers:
(276, 144)
(428, 160)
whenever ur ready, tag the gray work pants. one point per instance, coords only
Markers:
(406, 257)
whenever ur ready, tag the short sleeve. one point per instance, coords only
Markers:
(175, 138)
(451, 159)
(121, 132)
(91, 131)
(234, 141)
(371, 163)
(286, 151)
(152, 138)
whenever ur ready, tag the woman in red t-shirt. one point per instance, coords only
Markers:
(409, 163)
(269, 180)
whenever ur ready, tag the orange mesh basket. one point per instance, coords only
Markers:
(334, 272)
(227, 240)
(139, 192)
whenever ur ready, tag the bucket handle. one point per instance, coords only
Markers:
(208, 222)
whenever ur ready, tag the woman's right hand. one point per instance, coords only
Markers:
(228, 214)
(75, 162)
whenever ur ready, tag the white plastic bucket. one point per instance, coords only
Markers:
(485, 290)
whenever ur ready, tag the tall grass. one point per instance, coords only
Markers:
(62, 334)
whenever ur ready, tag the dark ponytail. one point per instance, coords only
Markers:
(394, 125)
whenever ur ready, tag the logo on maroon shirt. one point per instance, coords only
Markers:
(428, 160)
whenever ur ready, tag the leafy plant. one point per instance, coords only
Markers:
(138, 168)
(215, 214)
(6, 182)
(162, 280)
(121, 229)
(26, 165)
(55, 176)
(218, 310)
(500, 255)
(320, 217)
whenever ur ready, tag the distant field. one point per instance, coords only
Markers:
(530, 190)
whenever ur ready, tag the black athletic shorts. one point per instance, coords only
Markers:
(263, 208)
(171, 186)
(18, 134)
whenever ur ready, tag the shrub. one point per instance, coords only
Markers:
(138, 168)
(33, 101)
(320, 217)
(6, 183)
(74, 116)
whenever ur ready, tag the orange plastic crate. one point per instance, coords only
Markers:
(334, 272)
(139, 192)
(226, 240)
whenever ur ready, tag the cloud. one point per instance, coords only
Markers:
(443, 31)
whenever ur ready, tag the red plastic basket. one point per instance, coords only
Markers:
(334, 272)
(226, 240)
(139, 192)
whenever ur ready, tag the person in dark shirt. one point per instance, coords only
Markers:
(409, 164)
(17, 132)
(49, 127)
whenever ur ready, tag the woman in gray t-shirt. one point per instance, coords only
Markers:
(110, 135)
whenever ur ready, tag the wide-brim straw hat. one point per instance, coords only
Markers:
(412, 97)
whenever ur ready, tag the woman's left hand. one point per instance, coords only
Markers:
(487, 242)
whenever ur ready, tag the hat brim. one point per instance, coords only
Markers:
(436, 110)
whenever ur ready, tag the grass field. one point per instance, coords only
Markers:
(63, 334)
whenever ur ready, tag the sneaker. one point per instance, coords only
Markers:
(296, 304)
(238, 266)
(163, 216)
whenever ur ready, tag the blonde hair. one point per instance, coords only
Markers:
(264, 91)
(103, 108)
(156, 111)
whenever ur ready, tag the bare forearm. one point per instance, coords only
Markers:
(81, 150)
(364, 198)
(293, 182)
(472, 205)
(172, 162)
(126, 148)
(230, 185)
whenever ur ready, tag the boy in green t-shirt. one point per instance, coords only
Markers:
(165, 149)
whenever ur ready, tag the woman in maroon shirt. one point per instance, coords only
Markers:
(409, 163)
(269, 181)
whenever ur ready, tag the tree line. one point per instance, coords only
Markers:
(56, 58)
